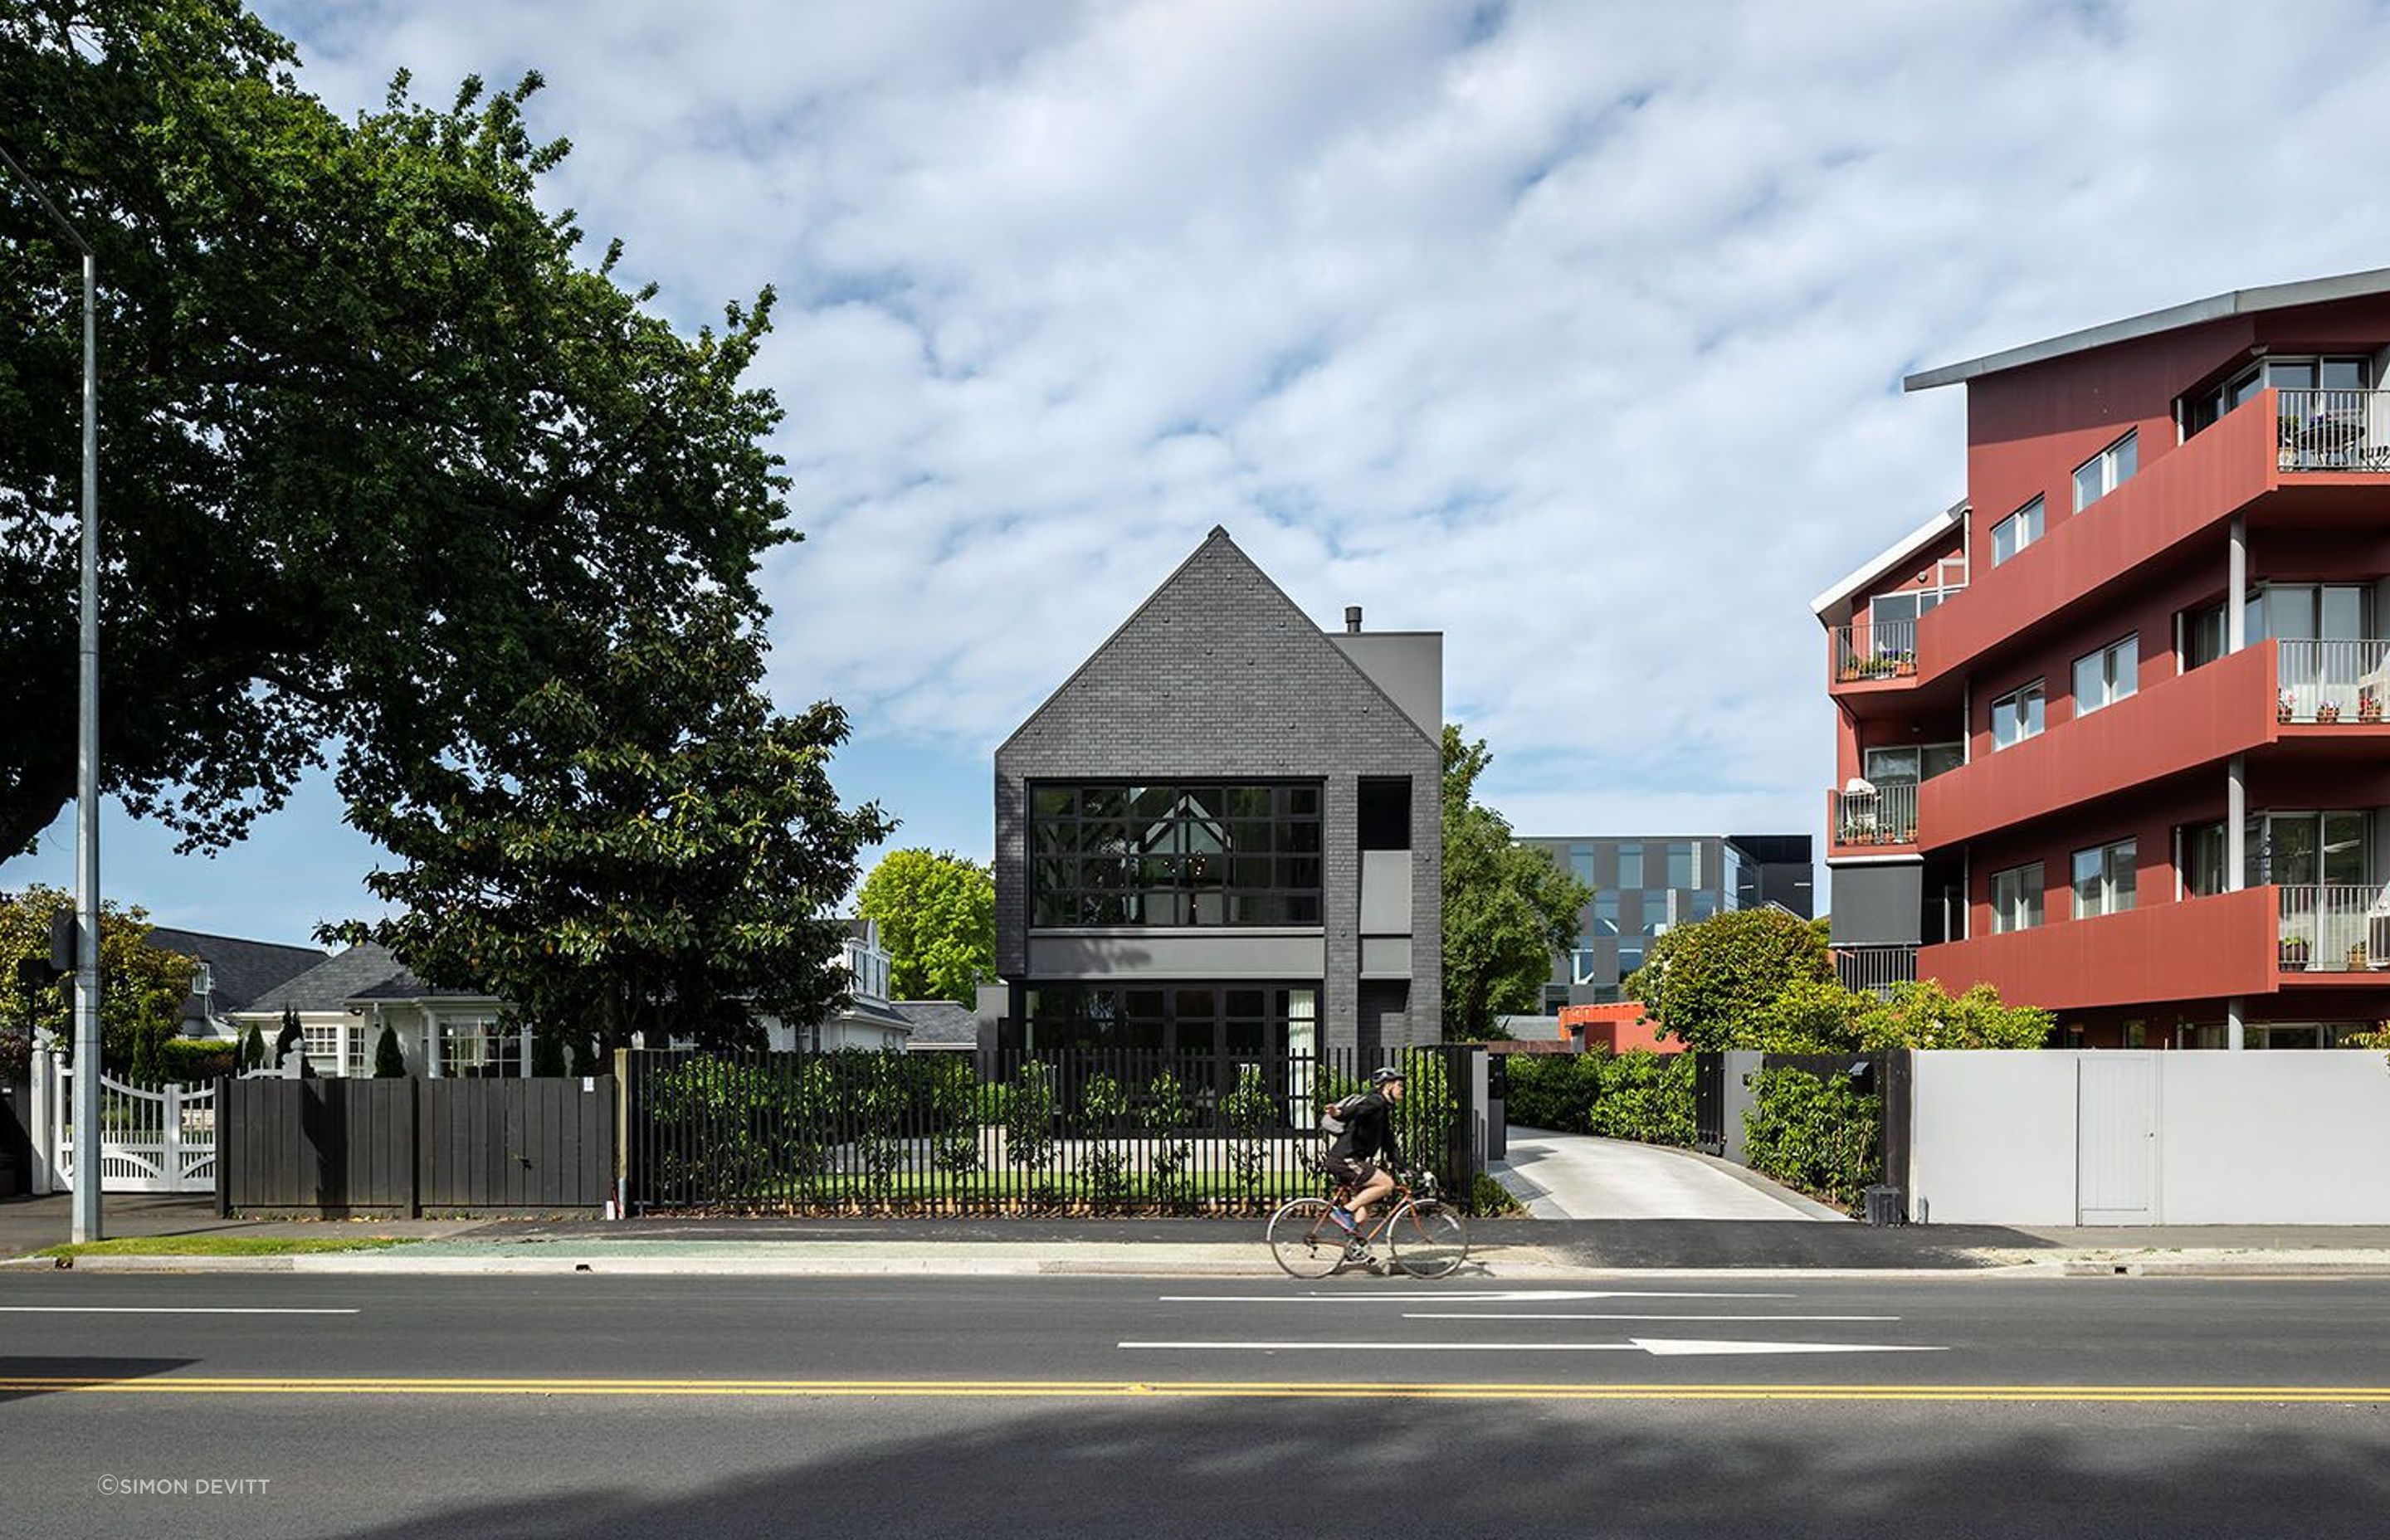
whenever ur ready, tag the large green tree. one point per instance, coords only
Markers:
(371, 428)
(1705, 983)
(936, 913)
(655, 850)
(1507, 906)
(141, 986)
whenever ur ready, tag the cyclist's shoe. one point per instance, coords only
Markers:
(1343, 1217)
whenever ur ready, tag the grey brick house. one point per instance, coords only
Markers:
(1224, 833)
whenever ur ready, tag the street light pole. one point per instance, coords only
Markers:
(85, 1114)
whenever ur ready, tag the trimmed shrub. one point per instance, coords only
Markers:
(186, 1061)
(389, 1062)
(1555, 1091)
(252, 1050)
(1820, 1136)
(1646, 1097)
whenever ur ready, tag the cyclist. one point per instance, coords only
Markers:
(1352, 1157)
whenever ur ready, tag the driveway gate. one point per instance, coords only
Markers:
(160, 1140)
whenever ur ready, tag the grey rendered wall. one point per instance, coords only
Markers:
(1218, 675)
(1879, 904)
(1408, 665)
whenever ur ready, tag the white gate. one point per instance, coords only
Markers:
(2116, 1134)
(149, 1141)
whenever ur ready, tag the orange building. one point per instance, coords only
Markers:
(1620, 1028)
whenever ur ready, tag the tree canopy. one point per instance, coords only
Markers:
(372, 431)
(1764, 979)
(141, 986)
(936, 914)
(1507, 906)
(654, 851)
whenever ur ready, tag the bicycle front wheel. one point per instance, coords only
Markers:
(1305, 1241)
(1427, 1239)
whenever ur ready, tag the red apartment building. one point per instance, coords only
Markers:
(2109, 734)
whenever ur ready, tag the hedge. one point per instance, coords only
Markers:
(1820, 1136)
(186, 1059)
(1638, 1095)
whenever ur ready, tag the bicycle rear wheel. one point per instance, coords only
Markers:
(1427, 1239)
(1305, 1241)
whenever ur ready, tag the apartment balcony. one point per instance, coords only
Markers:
(1875, 970)
(2330, 934)
(2198, 949)
(1879, 822)
(2286, 458)
(2342, 684)
(1873, 653)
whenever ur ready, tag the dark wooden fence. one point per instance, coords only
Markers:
(1095, 1131)
(405, 1146)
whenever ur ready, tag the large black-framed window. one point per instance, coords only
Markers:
(1175, 853)
(1245, 1022)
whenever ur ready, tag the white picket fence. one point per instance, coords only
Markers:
(162, 1141)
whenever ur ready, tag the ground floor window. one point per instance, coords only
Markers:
(477, 1049)
(1237, 1021)
(322, 1044)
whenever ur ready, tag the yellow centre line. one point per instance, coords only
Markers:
(1092, 1389)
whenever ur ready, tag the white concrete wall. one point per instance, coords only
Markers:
(2243, 1138)
(1993, 1138)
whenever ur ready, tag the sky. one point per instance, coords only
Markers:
(1574, 331)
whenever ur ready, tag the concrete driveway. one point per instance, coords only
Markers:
(1577, 1177)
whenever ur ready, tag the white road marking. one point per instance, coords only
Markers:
(1657, 1346)
(178, 1310)
(1621, 1315)
(1466, 1296)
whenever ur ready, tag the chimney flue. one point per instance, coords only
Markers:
(1352, 618)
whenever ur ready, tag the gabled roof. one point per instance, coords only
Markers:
(366, 973)
(939, 1024)
(2216, 307)
(1907, 548)
(242, 970)
(1219, 537)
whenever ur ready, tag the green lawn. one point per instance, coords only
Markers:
(221, 1245)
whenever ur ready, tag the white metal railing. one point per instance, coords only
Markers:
(1886, 815)
(2334, 927)
(2332, 429)
(2334, 681)
(1875, 969)
(1870, 649)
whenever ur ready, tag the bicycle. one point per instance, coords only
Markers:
(1424, 1235)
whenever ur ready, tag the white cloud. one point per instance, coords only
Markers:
(1574, 330)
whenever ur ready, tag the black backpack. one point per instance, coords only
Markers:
(1337, 1116)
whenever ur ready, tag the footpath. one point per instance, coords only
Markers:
(1522, 1250)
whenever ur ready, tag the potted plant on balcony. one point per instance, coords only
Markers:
(2294, 953)
(2369, 706)
(2328, 711)
(2356, 959)
(2284, 707)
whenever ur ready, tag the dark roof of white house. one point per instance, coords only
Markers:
(242, 970)
(366, 973)
(939, 1024)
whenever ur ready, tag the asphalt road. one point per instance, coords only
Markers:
(1063, 1406)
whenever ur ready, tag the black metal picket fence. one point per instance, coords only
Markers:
(1075, 1132)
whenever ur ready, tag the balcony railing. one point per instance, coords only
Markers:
(1884, 649)
(2334, 927)
(1886, 815)
(1875, 969)
(2332, 429)
(2341, 681)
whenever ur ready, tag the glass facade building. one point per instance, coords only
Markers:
(1643, 886)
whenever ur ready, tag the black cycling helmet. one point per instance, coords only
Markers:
(1380, 1077)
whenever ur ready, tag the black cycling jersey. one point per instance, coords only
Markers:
(1368, 1133)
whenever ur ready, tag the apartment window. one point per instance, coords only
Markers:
(2199, 859)
(2298, 849)
(2016, 898)
(2104, 879)
(1684, 864)
(1630, 864)
(2017, 716)
(2107, 470)
(1605, 913)
(1909, 766)
(1585, 963)
(1580, 863)
(2016, 531)
(2202, 636)
(1629, 959)
(2108, 676)
(1175, 855)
